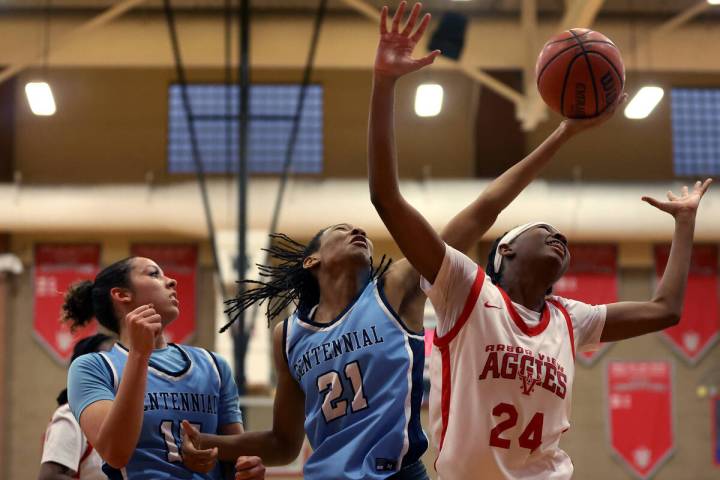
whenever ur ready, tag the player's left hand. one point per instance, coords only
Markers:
(577, 125)
(249, 468)
(394, 53)
(686, 204)
(196, 459)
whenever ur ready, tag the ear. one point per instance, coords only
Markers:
(506, 251)
(311, 262)
(122, 295)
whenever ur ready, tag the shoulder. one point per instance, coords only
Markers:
(88, 363)
(63, 414)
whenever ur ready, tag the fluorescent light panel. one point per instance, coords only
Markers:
(714, 2)
(428, 100)
(644, 102)
(40, 98)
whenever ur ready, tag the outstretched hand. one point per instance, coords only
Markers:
(685, 204)
(577, 125)
(394, 53)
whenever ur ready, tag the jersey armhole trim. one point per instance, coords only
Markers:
(568, 321)
(391, 310)
(285, 340)
(470, 302)
(111, 370)
(216, 365)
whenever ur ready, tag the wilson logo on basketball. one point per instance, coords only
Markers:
(531, 369)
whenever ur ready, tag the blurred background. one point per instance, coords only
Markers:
(186, 130)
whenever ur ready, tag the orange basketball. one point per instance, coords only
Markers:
(580, 73)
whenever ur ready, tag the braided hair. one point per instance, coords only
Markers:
(288, 281)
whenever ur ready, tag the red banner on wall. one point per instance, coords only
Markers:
(699, 327)
(56, 267)
(591, 278)
(178, 261)
(640, 396)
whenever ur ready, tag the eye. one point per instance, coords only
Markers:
(155, 273)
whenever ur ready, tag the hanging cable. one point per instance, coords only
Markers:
(195, 148)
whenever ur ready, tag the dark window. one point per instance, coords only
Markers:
(696, 131)
(271, 112)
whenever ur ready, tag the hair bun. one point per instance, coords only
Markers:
(78, 306)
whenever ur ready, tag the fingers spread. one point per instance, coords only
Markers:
(383, 20)
(421, 29)
(398, 16)
(413, 18)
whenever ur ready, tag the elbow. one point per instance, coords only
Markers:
(672, 319)
(116, 459)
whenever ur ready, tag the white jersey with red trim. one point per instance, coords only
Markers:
(501, 376)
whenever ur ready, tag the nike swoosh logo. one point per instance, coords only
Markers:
(487, 305)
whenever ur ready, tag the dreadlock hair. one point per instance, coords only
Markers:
(85, 299)
(85, 345)
(289, 282)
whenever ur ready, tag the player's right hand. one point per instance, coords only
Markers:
(394, 53)
(196, 459)
(143, 325)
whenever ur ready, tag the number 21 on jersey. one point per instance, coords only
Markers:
(331, 384)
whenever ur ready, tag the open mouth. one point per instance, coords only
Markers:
(360, 241)
(558, 247)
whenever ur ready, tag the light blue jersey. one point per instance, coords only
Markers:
(362, 378)
(183, 383)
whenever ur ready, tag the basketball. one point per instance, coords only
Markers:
(580, 73)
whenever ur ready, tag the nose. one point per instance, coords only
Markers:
(171, 282)
(561, 237)
(358, 231)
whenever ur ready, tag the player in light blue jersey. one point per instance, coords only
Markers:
(130, 401)
(349, 361)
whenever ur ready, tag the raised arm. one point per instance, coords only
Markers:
(278, 446)
(416, 238)
(631, 319)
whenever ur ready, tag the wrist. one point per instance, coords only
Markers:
(384, 80)
(685, 217)
(143, 357)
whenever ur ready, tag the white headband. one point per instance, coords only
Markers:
(512, 235)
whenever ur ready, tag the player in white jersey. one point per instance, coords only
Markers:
(503, 362)
(66, 452)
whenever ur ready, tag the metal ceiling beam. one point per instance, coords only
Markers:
(36, 54)
(471, 71)
(580, 13)
(680, 19)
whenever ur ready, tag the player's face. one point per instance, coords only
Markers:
(150, 285)
(543, 247)
(345, 243)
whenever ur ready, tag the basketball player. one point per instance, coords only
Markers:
(130, 401)
(502, 365)
(349, 361)
(66, 452)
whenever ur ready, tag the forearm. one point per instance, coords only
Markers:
(382, 161)
(466, 228)
(670, 291)
(273, 449)
(120, 431)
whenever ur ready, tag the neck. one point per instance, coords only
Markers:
(337, 290)
(526, 290)
(160, 341)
